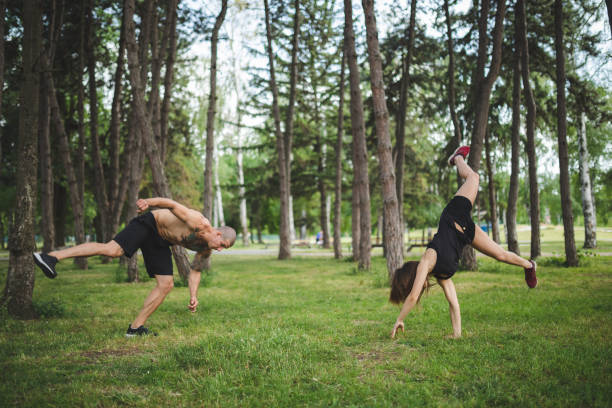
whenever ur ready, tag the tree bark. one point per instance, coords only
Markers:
(20, 278)
(588, 209)
(534, 194)
(99, 179)
(566, 198)
(291, 105)
(143, 122)
(210, 119)
(46, 168)
(218, 197)
(361, 182)
(491, 189)
(511, 234)
(483, 86)
(451, 92)
(76, 199)
(392, 241)
(400, 129)
(2, 27)
(338, 184)
(284, 251)
(168, 76)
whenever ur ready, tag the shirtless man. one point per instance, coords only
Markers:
(154, 232)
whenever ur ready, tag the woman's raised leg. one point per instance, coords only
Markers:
(469, 189)
(487, 246)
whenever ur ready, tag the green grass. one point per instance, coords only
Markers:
(313, 332)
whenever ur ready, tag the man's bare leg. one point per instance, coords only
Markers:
(165, 283)
(111, 248)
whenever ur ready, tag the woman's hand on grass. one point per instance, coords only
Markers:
(397, 325)
(193, 304)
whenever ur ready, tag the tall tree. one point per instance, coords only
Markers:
(99, 179)
(400, 128)
(588, 209)
(534, 194)
(566, 198)
(491, 188)
(2, 27)
(451, 88)
(361, 182)
(171, 35)
(20, 278)
(210, 118)
(143, 122)
(284, 251)
(482, 87)
(338, 184)
(392, 227)
(513, 188)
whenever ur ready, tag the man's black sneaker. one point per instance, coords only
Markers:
(46, 263)
(140, 331)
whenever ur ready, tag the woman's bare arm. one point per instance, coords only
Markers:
(426, 264)
(453, 305)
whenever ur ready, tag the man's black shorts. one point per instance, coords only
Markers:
(142, 233)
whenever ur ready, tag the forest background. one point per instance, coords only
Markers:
(123, 95)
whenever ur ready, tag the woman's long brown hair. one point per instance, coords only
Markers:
(403, 281)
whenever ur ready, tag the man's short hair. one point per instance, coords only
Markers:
(228, 234)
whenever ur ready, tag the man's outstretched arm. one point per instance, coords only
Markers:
(194, 277)
(192, 218)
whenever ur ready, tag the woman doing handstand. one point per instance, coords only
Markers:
(440, 260)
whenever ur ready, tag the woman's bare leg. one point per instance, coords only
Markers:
(487, 246)
(469, 189)
(111, 248)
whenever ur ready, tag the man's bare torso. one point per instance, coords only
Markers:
(173, 230)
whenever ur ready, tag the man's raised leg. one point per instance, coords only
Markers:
(47, 262)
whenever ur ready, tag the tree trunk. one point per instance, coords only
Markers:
(2, 24)
(588, 209)
(20, 278)
(117, 179)
(291, 106)
(76, 199)
(210, 120)
(284, 251)
(338, 185)
(46, 168)
(491, 188)
(99, 179)
(534, 194)
(511, 234)
(392, 240)
(169, 75)
(144, 124)
(59, 213)
(482, 87)
(361, 182)
(451, 92)
(400, 129)
(566, 197)
(218, 198)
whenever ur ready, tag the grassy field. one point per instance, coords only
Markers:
(313, 332)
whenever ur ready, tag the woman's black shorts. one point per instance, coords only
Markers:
(449, 241)
(142, 233)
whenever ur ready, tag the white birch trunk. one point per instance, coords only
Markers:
(588, 207)
(303, 227)
(218, 198)
(291, 220)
